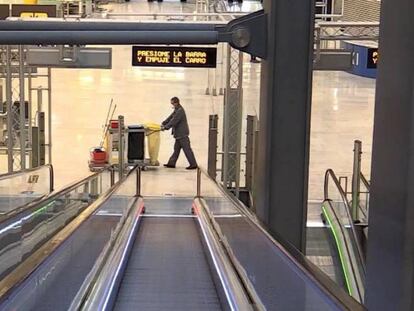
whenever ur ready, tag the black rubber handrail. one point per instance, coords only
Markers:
(310, 270)
(330, 174)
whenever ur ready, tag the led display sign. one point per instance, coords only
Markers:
(373, 58)
(33, 11)
(193, 57)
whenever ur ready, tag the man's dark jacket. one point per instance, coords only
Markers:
(178, 122)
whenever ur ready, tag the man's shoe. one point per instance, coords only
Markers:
(169, 165)
(192, 167)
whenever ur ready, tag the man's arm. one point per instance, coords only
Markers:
(176, 117)
(168, 119)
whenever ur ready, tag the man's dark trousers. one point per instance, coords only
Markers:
(183, 143)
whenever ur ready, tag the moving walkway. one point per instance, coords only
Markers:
(127, 250)
(23, 229)
(346, 235)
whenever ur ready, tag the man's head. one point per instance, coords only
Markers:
(175, 101)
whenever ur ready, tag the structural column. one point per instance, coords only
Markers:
(282, 174)
(390, 260)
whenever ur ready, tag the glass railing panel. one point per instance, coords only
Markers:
(181, 183)
(23, 233)
(279, 282)
(55, 283)
(217, 201)
(24, 187)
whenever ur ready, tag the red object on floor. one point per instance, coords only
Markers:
(98, 155)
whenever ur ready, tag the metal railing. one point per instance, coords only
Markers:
(54, 238)
(34, 223)
(54, 195)
(307, 269)
(342, 225)
(330, 35)
(99, 290)
(364, 195)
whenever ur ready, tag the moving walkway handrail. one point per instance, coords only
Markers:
(104, 277)
(309, 270)
(53, 196)
(207, 218)
(24, 270)
(31, 170)
(100, 288)
(353, 282)
(331, 175)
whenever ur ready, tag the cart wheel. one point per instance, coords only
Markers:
(143, 210)
(192, 210)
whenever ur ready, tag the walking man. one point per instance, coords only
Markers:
(177, 121)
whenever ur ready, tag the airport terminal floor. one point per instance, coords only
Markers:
(159, 238)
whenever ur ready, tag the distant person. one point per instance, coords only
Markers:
(178, 122)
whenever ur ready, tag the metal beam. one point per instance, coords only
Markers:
(390, 260)
(247, 33)
(333, 60)
(69, 57)
(283, 157)
(79, 37)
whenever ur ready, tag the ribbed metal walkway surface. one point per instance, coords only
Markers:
(168, 269)
(321, 250)
(87, 244)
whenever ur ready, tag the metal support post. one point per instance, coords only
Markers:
(356, 180)
(42, 138)
(94, 187)
(390, 259)
(9, 110)
(198, 183)
(232, 120)
(208, 83)
(49, 117)
(22, 109)
(121, 132)
(250, 150)
(223, 55)
(30, 117)
(138, 192)
(35, 147)
(285, 110)
(212, 146)
(112, 176)
(39, 99)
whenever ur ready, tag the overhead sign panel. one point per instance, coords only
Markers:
(372, 58)
(63, 57)
(164, 56)
(35, 10)
(4, 11)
